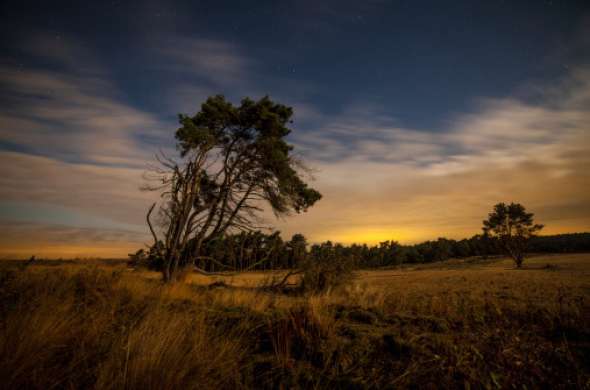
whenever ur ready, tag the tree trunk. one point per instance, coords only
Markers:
(166, 272)
(519, 259)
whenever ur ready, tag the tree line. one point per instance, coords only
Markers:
(269, 251)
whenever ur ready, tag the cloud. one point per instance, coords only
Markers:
(55, 199)
(75, 151)
(73, 117)
(218, 62)
(196, 68)
(22, 240)
(109, 192)
(413, 185)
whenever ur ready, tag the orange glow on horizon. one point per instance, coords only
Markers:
(371, 235)
(69, 251)
(375, 235)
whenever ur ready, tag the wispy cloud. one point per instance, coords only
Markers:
(212, 61)
(71, 141)
(412, 185)
(71, 117)
(72, 148)
(22, 240)
(109, 192)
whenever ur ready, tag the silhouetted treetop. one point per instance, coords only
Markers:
(251, 139)
(513, 226)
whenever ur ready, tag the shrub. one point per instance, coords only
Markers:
(150, 260)
(326, 268)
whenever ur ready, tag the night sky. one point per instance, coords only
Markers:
(416, 116)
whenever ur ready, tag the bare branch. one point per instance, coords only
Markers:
(152, 228)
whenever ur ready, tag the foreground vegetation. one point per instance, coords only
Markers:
(474, 323)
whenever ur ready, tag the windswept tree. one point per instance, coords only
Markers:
(513, 227)
(234, 161)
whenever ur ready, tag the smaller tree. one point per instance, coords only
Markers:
(513, 227)
(327, 266)
(297, 250)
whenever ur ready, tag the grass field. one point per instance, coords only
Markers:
(471, 324)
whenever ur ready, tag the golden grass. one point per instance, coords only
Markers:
(481, 324)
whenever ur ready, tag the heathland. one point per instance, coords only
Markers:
(460, 323)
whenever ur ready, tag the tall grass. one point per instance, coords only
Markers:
(88, 327)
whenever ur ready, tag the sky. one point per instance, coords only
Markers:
(415, 116)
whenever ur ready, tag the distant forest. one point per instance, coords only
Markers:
(260, 251)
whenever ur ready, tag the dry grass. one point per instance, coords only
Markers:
(466, 324)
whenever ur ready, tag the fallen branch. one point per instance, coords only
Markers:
(283, 283)
(207, 273)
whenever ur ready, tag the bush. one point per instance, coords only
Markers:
(142, 259)
(326, 268)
